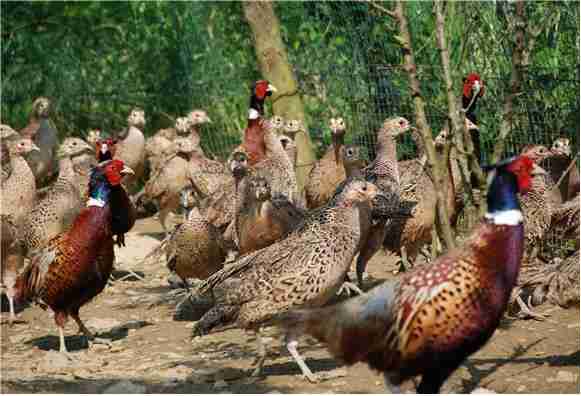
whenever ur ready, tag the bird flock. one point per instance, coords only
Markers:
(281, 253)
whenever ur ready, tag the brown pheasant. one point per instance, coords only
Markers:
(21, 182)
(303, 270)
(262, 218)
(569, 187)
(131, 146)
(42, 132)
(328, 172)
(12, 260)
(56, 212)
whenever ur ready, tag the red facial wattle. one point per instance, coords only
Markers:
(261, 89)
(469, 83)
(113, 172)
(522, 168)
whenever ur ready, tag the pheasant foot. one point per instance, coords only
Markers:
(348, 288)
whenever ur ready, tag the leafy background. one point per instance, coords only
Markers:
(96, 60)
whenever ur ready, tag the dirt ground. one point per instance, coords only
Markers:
(149, 352)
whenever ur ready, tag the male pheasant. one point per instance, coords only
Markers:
(429, 320)
(76, 264)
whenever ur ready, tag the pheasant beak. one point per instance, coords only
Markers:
(271, 88)
(127, 170)
(34, 147)
(208, 120)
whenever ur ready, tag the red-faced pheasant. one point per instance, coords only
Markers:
(76, 265)
(429, 320)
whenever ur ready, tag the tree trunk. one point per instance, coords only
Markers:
(437, 167)
(275, 67)
(515, 81)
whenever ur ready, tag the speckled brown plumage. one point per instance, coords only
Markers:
(262, 218)
(328, 172)
(278, 168)
(195, 248)
(56, 212)
(406, 236)
(131, 145)
(12, 259)
(429, 320)
(43, 133)
(384, 173)
(557, 164)
(304, 269)
(166, 184)
(6, 134)
(21, 182)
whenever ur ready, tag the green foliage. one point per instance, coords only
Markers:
(99, 59)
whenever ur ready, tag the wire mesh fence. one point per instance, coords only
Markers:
(346, 59)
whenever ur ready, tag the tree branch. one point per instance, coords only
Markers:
(515, 80)
(381, 8)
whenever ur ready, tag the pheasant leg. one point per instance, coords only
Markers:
(12, 316)
(63, 346)
(307, 373)
(261, 357)
(390, 386)
(91, 339)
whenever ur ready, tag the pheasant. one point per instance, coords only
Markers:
(220, 209)
(383, 172)
(20, 183)
(406, 236)
(6, 133)
(262, 218)
(558, 164)
(196, 117)
(304, 269)
(253, 142)
(428, 321)
(12, 260)
(160, 146)
(166, 184)
(43, 133)
(57, 210)
(278, 168)
(76, 264)
(328, 172)
(537, 203)
(472, 90)
(130, 147)
(195, 248)
(277, 123)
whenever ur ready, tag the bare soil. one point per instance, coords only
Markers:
(149, 352)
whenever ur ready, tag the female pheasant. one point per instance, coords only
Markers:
(429, 320)
(76, 264)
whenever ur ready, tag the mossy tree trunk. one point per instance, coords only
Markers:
(273, 60)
